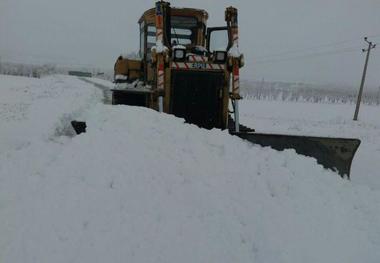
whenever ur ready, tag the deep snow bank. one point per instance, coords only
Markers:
(141, 186)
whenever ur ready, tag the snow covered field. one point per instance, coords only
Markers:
(145, 187)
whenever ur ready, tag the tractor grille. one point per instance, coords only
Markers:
(196, 96)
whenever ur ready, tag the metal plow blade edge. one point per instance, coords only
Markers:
(332, 153)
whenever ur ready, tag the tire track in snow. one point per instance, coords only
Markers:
(106, 91)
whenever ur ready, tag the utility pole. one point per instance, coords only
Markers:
(370, 46)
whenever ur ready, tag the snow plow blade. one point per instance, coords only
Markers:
(332, 153)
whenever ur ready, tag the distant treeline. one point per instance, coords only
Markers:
(37, 71)
(34, 71)
(283, 91)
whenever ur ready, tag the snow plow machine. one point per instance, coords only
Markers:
(192, 72)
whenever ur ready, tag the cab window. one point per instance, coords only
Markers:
(183, 32)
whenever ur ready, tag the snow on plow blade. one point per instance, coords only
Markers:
(332, 153)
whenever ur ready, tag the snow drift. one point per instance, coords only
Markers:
(141, 186)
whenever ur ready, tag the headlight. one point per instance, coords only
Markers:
(220, 56)
(179, 54)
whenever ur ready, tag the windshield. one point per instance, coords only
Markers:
(183, 31)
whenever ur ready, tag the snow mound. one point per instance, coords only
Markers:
(141, 186)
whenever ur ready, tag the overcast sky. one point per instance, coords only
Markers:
(316, 41)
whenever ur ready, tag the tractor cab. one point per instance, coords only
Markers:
(185, 35)
(185, 27)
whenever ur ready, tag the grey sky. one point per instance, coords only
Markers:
(94, 32)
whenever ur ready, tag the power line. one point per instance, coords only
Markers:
(310, 55)
(374, 36)
(314, 48)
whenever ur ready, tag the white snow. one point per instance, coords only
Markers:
(141, 186)
(234, 51)
(159, 47)
(203, 49)
(131, 55)
(102, 82)
(137, 84)
(121, 77)
(179, 47)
